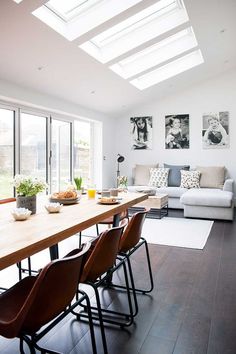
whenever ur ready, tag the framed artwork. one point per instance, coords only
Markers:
(141, 133)
(215, 130)
(177, 131)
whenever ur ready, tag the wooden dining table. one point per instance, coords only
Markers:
(22, 239)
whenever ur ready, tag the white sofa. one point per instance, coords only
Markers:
(209, 203)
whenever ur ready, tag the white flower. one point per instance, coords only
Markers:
(28, 185)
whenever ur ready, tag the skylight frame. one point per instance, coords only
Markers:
(158, 25)
(85, 22)
(156, 54)
(169, 70)
(77, 10)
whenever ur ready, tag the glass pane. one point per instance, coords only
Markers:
(70, 8)
(33, 145)
(61, 157)
(6, 153)
(82, 150)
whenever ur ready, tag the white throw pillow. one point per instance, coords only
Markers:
(190, 179)
(158, 177)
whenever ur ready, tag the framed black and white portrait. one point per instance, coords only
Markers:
(177, 131)
(141, 133)
(215, 130)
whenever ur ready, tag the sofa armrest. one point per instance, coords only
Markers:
(228, 185)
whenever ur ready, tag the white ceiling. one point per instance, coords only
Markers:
(35, 56)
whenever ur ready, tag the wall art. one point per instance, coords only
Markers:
(215, 130)
(141, 133)
(177, 131)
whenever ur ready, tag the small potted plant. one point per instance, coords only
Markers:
(27, 187)
(78, 182)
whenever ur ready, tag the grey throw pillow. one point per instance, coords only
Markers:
(174, 178)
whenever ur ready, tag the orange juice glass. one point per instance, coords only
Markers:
(91, 192)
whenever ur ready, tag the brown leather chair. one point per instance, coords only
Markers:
(109, 221)
(131, 241)
(36, 300)
(98, 269)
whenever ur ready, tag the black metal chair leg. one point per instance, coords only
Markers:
(100, 319)
(28, 341)
(132, 287)
(92, 334)
(149, 269)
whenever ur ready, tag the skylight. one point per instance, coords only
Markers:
(145, 25)
(73, 18)
(156, 54)
(169, 70)
(69, 9)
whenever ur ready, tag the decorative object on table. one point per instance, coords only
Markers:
(119, 160)
(122, 182)
(27, 187)
(141, 132)
(20, 214)
(215, 130)
(177, 131)
(65, 197)
(78, 182)
(53, 207)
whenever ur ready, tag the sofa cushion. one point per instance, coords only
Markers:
(174, 178)
(211, 176)
(158, 177)
(173, 192)
(207, 197)
(190, 179)
(142, 174)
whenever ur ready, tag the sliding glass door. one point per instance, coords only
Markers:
(33, 145)
(6, 152)
(82, 152)
(61, 174)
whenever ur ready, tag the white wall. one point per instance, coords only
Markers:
(14, 94)
(218, 94)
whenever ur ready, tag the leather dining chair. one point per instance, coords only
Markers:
(35, 301)
(131, 241)
(97, 272)
(109, 221)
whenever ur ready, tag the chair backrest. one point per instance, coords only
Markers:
(109, 221)
(133, 231)
(7, 200)
(53, 291)
(102, 254)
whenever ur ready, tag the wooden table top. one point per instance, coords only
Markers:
(21, 239)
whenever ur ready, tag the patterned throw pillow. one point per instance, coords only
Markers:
(158, 177)
(190, 179)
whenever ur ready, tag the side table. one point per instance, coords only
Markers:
(158, 205)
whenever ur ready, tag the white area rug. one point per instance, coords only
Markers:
(189, 233)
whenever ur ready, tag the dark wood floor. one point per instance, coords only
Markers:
(191, 310)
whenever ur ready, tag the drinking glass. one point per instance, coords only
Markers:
(91, 191)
